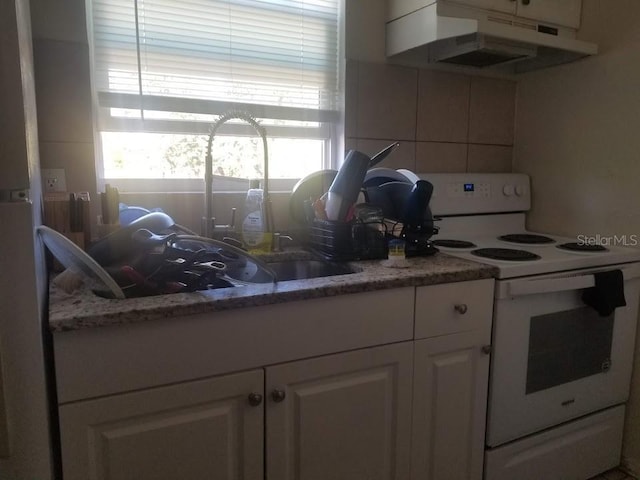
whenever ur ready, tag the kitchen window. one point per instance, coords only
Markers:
(163, 70)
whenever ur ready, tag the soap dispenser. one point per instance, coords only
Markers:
(253, 221)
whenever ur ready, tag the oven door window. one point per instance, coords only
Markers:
(566, 346)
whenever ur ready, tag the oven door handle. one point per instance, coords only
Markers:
(560, 284)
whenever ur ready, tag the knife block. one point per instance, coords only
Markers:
(57, 216)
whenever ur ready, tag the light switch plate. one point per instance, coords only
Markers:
(54, 180)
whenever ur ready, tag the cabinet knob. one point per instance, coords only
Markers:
(461, 308)
(278, 395)
(255, 399)
(486, 349)
(526, 2)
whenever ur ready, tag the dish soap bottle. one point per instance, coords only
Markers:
(253, 223)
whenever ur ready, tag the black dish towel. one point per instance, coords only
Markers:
(608, 294)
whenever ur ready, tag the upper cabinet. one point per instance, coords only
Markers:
(522, 35)
(566, 12)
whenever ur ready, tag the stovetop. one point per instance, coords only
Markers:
(481, 208)
(479, 234)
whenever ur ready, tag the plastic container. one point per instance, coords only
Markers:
(253, 228)
(397, 258)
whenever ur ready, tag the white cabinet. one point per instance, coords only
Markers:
(362, 408)
(344, 417)
(198, 431)
(449, 409)
(451, 375)
(565, 12)
(453, 308)
(341, 417)
(505, 6)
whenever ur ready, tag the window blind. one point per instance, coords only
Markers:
(279, 53)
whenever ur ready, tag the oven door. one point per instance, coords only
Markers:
(554, 358)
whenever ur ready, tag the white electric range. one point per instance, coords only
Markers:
(560, 370)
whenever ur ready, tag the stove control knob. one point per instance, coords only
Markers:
(508, 190)
(521, 190)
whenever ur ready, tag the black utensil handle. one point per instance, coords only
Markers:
(147, 237)
(382, 154)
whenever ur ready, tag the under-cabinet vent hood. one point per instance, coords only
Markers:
(445, 33)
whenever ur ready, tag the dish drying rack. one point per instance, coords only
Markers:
(345, 241)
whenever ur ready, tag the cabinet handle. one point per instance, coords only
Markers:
(461, 308)
(526, 2)
(278, 395)
(486, 349)
(255, 399)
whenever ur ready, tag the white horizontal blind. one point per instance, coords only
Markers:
(280, 53)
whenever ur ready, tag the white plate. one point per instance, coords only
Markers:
(412, 177)
(75, 259)
(380, 175)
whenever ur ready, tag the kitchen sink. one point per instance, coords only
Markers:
(301, 269)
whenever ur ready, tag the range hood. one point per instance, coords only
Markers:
(445, 33)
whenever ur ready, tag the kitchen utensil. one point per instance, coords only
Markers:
(110, 201)
(390, 197)
(366, 213)
(416, 205)
(309, 188)
(128, 214)
(347, 184)
(241, 267)
(119, 245)
(333, 205)
(417, 220)
(379, 175)
(409, 175)
(76, 260)
(382, 154)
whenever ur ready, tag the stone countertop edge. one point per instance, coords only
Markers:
(83, 309)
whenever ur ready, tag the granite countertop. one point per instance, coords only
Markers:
(83, 309)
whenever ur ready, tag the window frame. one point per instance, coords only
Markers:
(330, 129)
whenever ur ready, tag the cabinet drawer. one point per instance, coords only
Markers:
(578, 449)
(453, 307)
(198, 346)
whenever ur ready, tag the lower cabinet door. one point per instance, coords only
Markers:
(449, 407)
(199, 430)
(341, 417)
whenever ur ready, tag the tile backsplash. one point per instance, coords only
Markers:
(445, 122)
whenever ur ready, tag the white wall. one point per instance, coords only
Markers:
(578, 136)
(364, 31)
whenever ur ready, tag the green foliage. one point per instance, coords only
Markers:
(240, 157)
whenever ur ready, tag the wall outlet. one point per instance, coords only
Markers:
(53, 180)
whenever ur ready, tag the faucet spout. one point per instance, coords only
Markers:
(209, 226)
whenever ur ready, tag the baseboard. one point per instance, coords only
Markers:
(631, 466)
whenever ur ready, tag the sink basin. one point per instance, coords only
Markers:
(301, 269)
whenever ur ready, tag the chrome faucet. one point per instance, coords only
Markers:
(209, 226)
